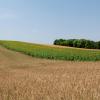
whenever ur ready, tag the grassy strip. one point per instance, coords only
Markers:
(43, 51)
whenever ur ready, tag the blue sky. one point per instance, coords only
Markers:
(43, 21)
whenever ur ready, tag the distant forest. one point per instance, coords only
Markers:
(78, 43)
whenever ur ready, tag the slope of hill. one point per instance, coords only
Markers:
(51, 52)
(23, 77)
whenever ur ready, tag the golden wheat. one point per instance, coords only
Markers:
(26, 78)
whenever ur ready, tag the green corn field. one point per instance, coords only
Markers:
(49, 52)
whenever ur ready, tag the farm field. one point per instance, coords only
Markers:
(53, 52)
(23, 77)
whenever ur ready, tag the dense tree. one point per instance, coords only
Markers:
(79, 43)
(98, 45)
(59, 41)
(90, 44)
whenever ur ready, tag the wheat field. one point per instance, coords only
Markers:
(26, 78)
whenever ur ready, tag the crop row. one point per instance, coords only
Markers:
(43, 51)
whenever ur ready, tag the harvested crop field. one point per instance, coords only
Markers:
(25, 78)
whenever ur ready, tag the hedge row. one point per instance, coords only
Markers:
(79, 43)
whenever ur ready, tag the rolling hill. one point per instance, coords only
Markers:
(52, 52)
(23, 77)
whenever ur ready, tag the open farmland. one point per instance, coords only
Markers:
(23, 77)
(50, 52)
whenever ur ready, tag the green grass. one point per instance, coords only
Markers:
(43, 51)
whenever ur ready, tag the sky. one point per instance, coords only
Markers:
(43, 21)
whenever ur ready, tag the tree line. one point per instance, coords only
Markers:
(79, 43)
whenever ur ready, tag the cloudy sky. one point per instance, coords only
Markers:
(43, 21)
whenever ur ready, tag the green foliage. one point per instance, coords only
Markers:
(59, 42)
(79, 43)
(49, 52)
(98, 44)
